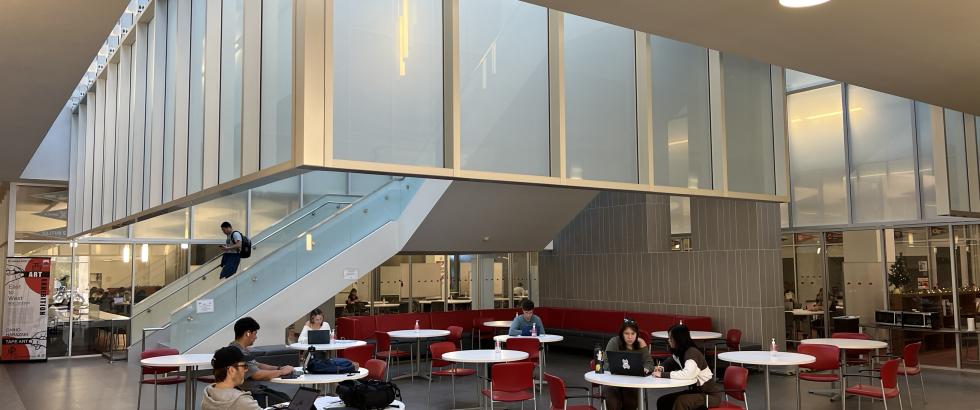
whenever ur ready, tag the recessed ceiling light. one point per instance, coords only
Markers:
(801, 3)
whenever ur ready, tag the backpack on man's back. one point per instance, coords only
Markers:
(246, 249)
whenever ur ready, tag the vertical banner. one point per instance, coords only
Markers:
(25, 315)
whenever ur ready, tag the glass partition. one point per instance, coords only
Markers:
(956, 162)
(230, 134)
(195, 111)
(748, 125)
(209, 216)
(276, 134)
(817, 156)
(272, 202)
(166, 226)
(924, 120)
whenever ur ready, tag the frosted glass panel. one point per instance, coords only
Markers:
(959, 195)
(796, 80)
(681, 120)
(195, 115)
(230, 134)
(600, 101)
(166, 226)
(503, 61)
(319, 183)
(927, 180)
(277, 86)
(272, 202)
(817, 158)
(209, 216)
(748, 123)
(388, 81)
(680, 215)
(882, 156)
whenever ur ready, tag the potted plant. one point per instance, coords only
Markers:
(899, 275)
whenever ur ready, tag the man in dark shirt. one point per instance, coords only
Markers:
(246, 331)
(230, 257)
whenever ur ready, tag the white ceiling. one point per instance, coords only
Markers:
(45, 48)
(925, 50)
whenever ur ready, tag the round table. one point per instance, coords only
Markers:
(844, 345)
(189, 362)
(484, 357)
(330, 402)
(336, 345)
(321, 379)
(544, 339)
(695, 334)
(767, 359)
(418, 335)
(637, 382)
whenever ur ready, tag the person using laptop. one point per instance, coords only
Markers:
(229, 373)
(687, 362)
(246, 331)
(628, 340)
(522, 324)
(315, 322)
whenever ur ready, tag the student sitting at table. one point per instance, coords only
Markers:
(687, 362)
(229, 373)
(523, 324)
(246, 331)
(315, 322)
(625, 398)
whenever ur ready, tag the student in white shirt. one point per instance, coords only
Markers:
(687, 362)
(315, 322)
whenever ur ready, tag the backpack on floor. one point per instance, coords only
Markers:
(368, 394)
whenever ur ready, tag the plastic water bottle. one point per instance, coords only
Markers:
(496, 347)
(682, 322)
(598, 362)
(534, 329)
(416, 325)
(772, 347)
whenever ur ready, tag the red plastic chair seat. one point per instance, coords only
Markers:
(508, 396)
(164, 381)
(909, 371)
(727, 405)
(820, 377)
(454, 372)
(871, 391)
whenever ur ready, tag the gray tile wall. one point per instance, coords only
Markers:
(616, 255)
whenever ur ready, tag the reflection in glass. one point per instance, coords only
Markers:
(817, 157)
(41, 213)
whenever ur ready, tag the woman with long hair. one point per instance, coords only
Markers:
(687, 362)
(315, 322)
(628, 340)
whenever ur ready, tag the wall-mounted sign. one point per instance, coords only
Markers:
(923, 283)
(205, 306)
(351, 274)
(25, 313)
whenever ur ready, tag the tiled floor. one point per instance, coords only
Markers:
(92, 383)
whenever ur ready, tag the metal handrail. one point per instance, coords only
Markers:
(151, 329)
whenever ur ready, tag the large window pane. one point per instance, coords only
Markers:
(681, 121)
(817, 159)
(388, 81)
(230, 133)
(319, 183)
(600, 101)
(272, 202)
(41, 212)
(796, 80)
(277, 87)
(927, 179)
(503, 61)
(195, 127)
(882, 156)
(748, 123)
(102, 283)
(167, 226)
(959, 195)
(209, 216)
(157, 266)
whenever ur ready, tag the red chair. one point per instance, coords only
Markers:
(480, 332)
(828, 360)
(436, 350)
(157, 381)
(732, 343)
(910, 367)
(455, 335)
(556, 387)
(658, 348)
(510, 383)
(383, 350)
(736, 382)
(376, 369)
(888, 389)
(531, 346)
(857, 357)
(357, 354)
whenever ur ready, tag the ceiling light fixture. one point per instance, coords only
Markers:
(801, 3)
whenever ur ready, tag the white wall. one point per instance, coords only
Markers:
(50, 161)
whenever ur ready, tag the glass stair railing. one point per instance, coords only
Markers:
(155, 310)
(305, 252)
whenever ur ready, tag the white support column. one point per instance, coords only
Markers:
(109, 142)
(450, 85)
(138, 119)
(123, 136)
(719, 139)
(644, 109)
(780, 145)
(312, 82)
(939, 163)
(556, 92)
(98, 149)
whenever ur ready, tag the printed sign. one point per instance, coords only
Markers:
(350, 274)
(205, 306)
(25, 313)
(923, 283)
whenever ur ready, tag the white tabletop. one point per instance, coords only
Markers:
(541, 338)
(450, 301)
(179, 360)
(330, 402)
(336, 345)
(804, 312)
(695, 334)
(322, 378)
(767, 358)
(484, 356)
(418, 334)
(847, 343)
(637, 382)
(386, 305)
(498, 323)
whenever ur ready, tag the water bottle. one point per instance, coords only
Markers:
(682, 322)
(772, 347)
(416, 325)
(534, 329)
(496, 347)
(598, 362)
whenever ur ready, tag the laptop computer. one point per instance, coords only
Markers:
(625, 363)
(304, 399)
(318, 337)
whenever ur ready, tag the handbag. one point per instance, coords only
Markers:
(317, 365)
(368, 395)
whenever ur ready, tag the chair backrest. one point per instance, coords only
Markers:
(478, 324)
(146, 354)
(512, 377)
(736, 381)
(645, 336)
(455, 333)
(556, 387)
(910, 354)
(359, 354)
(828, 357)
(733, 339)
(889, 374)
(383, 340)
(436, 350)
(376, 369)
(529, 345)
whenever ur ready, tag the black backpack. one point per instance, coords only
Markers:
(316, 365)
(246, 249)
(368, 394)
